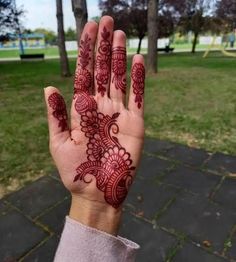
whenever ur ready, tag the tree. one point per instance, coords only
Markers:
(79, 8)
(9, 19)
(138, 20)
(65, 71)
(70, 34)
(130, 16)
(193, 15)
(152, 36)
(226, 10)
(50, 36)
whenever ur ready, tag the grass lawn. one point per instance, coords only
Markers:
(191, 101)
(53, 51)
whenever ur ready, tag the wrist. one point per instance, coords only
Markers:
(95, 214)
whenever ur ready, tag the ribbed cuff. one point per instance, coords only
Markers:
(82, 243)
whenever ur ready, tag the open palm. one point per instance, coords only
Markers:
(97, 154)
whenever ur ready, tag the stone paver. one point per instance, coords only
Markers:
(196, 181)
(191, 253)
(39, 196)
(55, 217)
(226, 195)
(222, 163)
(141, 197)
(18, 235)
(155, 242)
(177, 202)
(199, 219)
(44, 252)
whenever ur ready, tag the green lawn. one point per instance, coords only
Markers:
(50, 51)
(191, 101)
(53, 51)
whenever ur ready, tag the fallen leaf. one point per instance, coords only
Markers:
(206, 243)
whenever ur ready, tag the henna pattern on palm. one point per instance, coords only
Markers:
(102, 64)
(107, 160)
(138, 77)
(119, 68)
(57, 103)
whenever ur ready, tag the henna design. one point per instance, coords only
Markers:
(102, 64)
(107, 160)
(83, 78)
(138, 77)
(57, 103)
(119, 68)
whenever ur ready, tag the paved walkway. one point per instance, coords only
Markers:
(182, 207)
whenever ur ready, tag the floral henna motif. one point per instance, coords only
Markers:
(57, 103)
(107, 160)
(83, 78)
(102, 64)
(138, 77)
(119, 68)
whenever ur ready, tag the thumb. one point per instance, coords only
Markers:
(57, 114)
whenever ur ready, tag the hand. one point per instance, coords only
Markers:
(97, 154)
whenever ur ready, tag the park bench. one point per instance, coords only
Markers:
(166, 49)
(31, 57)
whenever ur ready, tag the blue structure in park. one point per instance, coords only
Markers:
(35, 40)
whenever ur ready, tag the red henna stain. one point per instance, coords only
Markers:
(83, 78)
(138, 77)
(119, 68)
(102, 64)
(57, 103)
(107, 160)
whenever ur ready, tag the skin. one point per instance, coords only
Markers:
(69, 144)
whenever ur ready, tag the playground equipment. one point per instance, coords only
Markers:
(221, 48)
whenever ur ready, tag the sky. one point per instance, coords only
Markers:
(42, 13)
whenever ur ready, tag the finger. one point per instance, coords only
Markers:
(84, 67)
(118, 65)
(103, 55)
(84, 72)
(136, 96)
(57, 114)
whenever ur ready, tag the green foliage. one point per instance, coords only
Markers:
(70, 34)
(50, 36)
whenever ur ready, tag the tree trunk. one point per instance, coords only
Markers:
(79, 8)
(152, 36)
(139, 44)
(65, 71)
(194, 42)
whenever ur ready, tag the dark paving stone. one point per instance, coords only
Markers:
(152, 167)
(38, 196)
(226, 195)
(148, 197)
(18, 235)
(187, 155)
(55, 175)
(3, 208)
(191, 253)
(55, 218)
(154, 243)
(199, 219)
(232, 250)
(222, 163)
(155, 146)
(45, 252)
(193, 180)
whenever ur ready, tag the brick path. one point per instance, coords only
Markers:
(182, 207)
